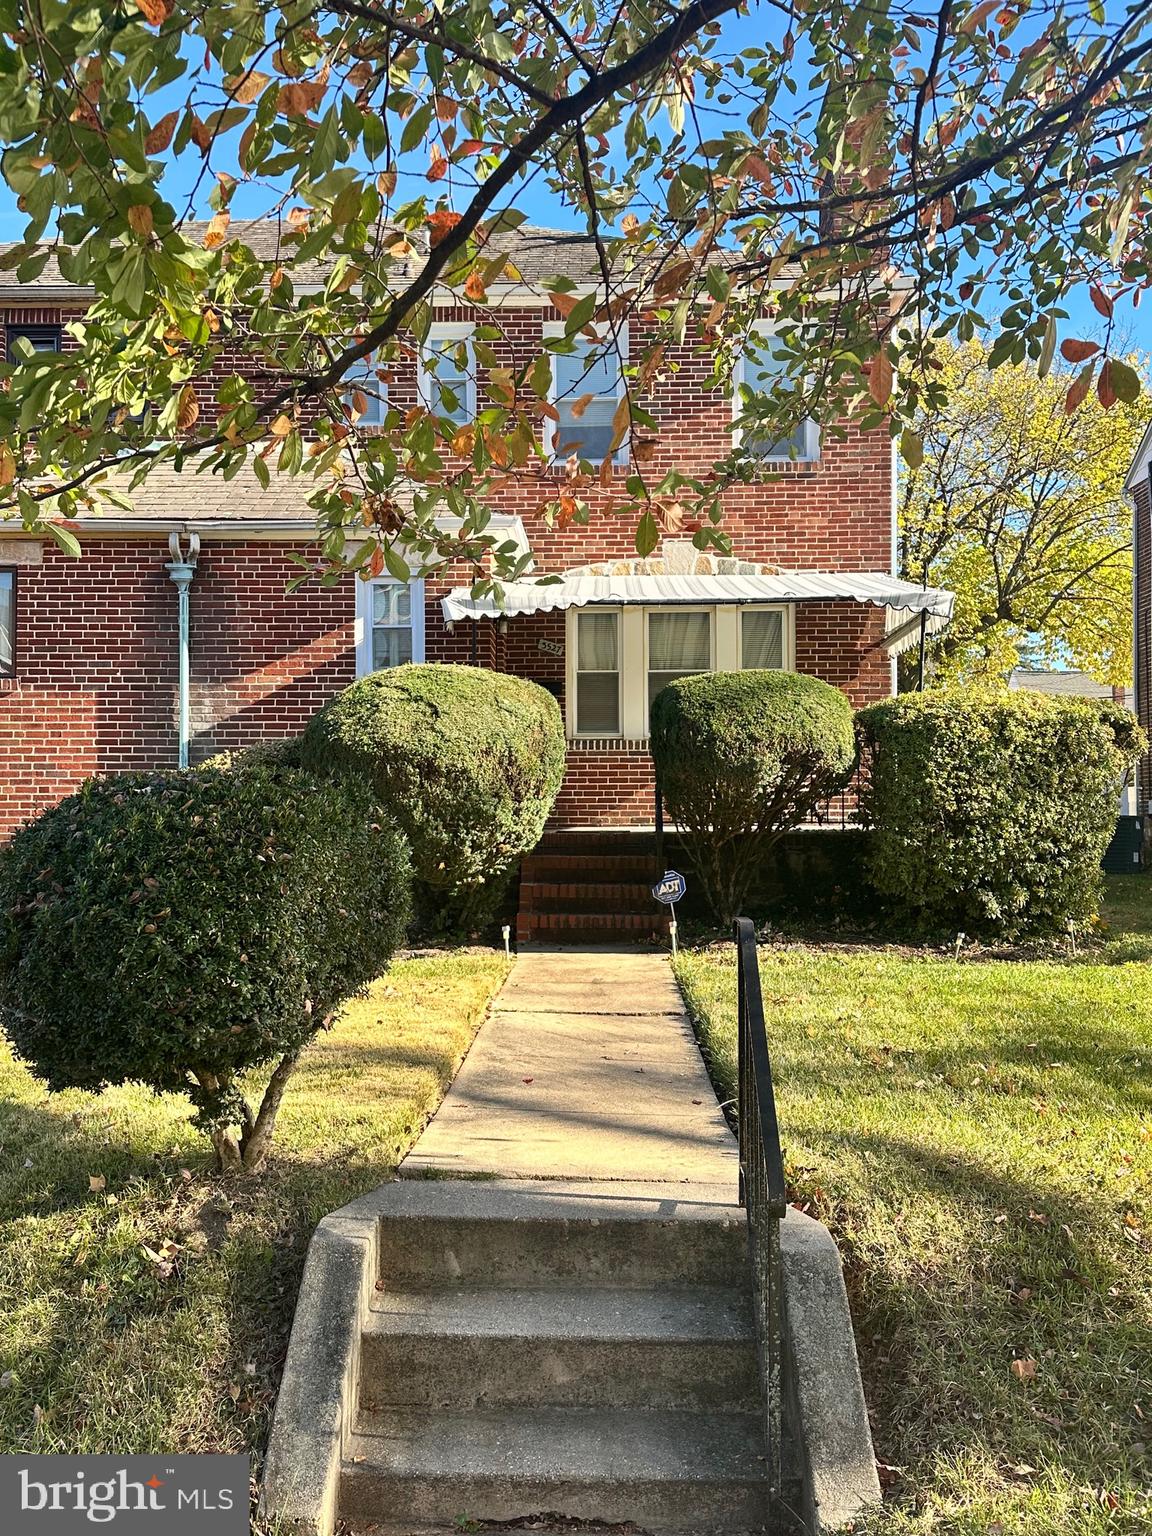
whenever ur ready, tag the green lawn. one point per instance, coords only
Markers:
(978, 1135)
(110, 1340)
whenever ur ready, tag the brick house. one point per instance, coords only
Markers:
(89, 664)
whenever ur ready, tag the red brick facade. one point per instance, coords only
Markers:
(94, 689)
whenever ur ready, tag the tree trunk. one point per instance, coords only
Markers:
(254, 1143)
(227, 1148)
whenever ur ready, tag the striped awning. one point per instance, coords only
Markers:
(904, 599)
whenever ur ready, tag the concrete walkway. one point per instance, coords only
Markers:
(587, 1068)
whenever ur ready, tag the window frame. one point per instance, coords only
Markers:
(623, 454)
(575, 673)
(633, 656)
(11, 572)
(364, 616)
(13, 329)
(810, 427)
(453, 331)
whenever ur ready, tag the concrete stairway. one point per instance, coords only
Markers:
(601, 1369)
(590, 888)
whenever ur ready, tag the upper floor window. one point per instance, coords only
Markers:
(366, 393)
(7, 623)
(448, 375)
(761, 372)
(587, 384)
(41, 338)
(389, 623)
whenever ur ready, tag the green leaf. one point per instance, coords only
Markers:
(1125, 381)
(647, 534)
(64, 538)
(394, 565)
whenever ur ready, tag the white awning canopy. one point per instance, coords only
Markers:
(904, 599)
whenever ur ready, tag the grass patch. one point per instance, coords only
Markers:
(111, 1341)
(978, 1135)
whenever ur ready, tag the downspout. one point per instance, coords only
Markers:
(181, 569)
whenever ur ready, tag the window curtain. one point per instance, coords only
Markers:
(679, 642)
(761, 640)
(596, 649)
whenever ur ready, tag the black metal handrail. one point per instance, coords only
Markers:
(762, 1190)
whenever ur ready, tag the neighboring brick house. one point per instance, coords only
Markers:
(89, 679)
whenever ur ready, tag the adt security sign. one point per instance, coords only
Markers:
(670, 887)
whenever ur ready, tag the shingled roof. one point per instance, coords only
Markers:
(536, 252)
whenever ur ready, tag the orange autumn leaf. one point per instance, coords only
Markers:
(161, 135)
(1078, 351)
(201, 135)
(474, 288)
(140, 219)
(1105, 391)
(217, 229)
(155, 12)
(1023, 1370)
(439, 164)
(1078, 390)
(247, 88)
(301, 97)
(188, 409)
(880, 377)
(441, 224)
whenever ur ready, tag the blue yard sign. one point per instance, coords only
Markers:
(670, 887)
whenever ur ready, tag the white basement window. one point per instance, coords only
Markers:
(587, 385)
(760, 372)
(620, 658)
(389, 624)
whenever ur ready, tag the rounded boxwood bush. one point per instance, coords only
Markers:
(741, 758)
(469, 762)
(273, 752)
(180, 930)
(990, 812)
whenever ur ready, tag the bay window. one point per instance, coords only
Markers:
(597, 673)
(7, 623)
(389, 623)
(587, 384)
(620, 658)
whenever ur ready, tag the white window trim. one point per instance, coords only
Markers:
(554, 328)
(810, 427)
(457, 331)
(632, 656)
(363, 629)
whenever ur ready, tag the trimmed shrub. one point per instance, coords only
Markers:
(991, 812)
(742, 757)
(275, 752)
(181, 930)
(469, 762)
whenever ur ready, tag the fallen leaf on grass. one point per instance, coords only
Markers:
(96, 1182)
(1023, 1370)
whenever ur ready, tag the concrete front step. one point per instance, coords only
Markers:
(662, 1471)
(421, 1252)
(561, 1347)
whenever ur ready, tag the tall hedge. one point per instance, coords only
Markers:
(741, 758)
(468, 761)
(179, 931)
(991, 812)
